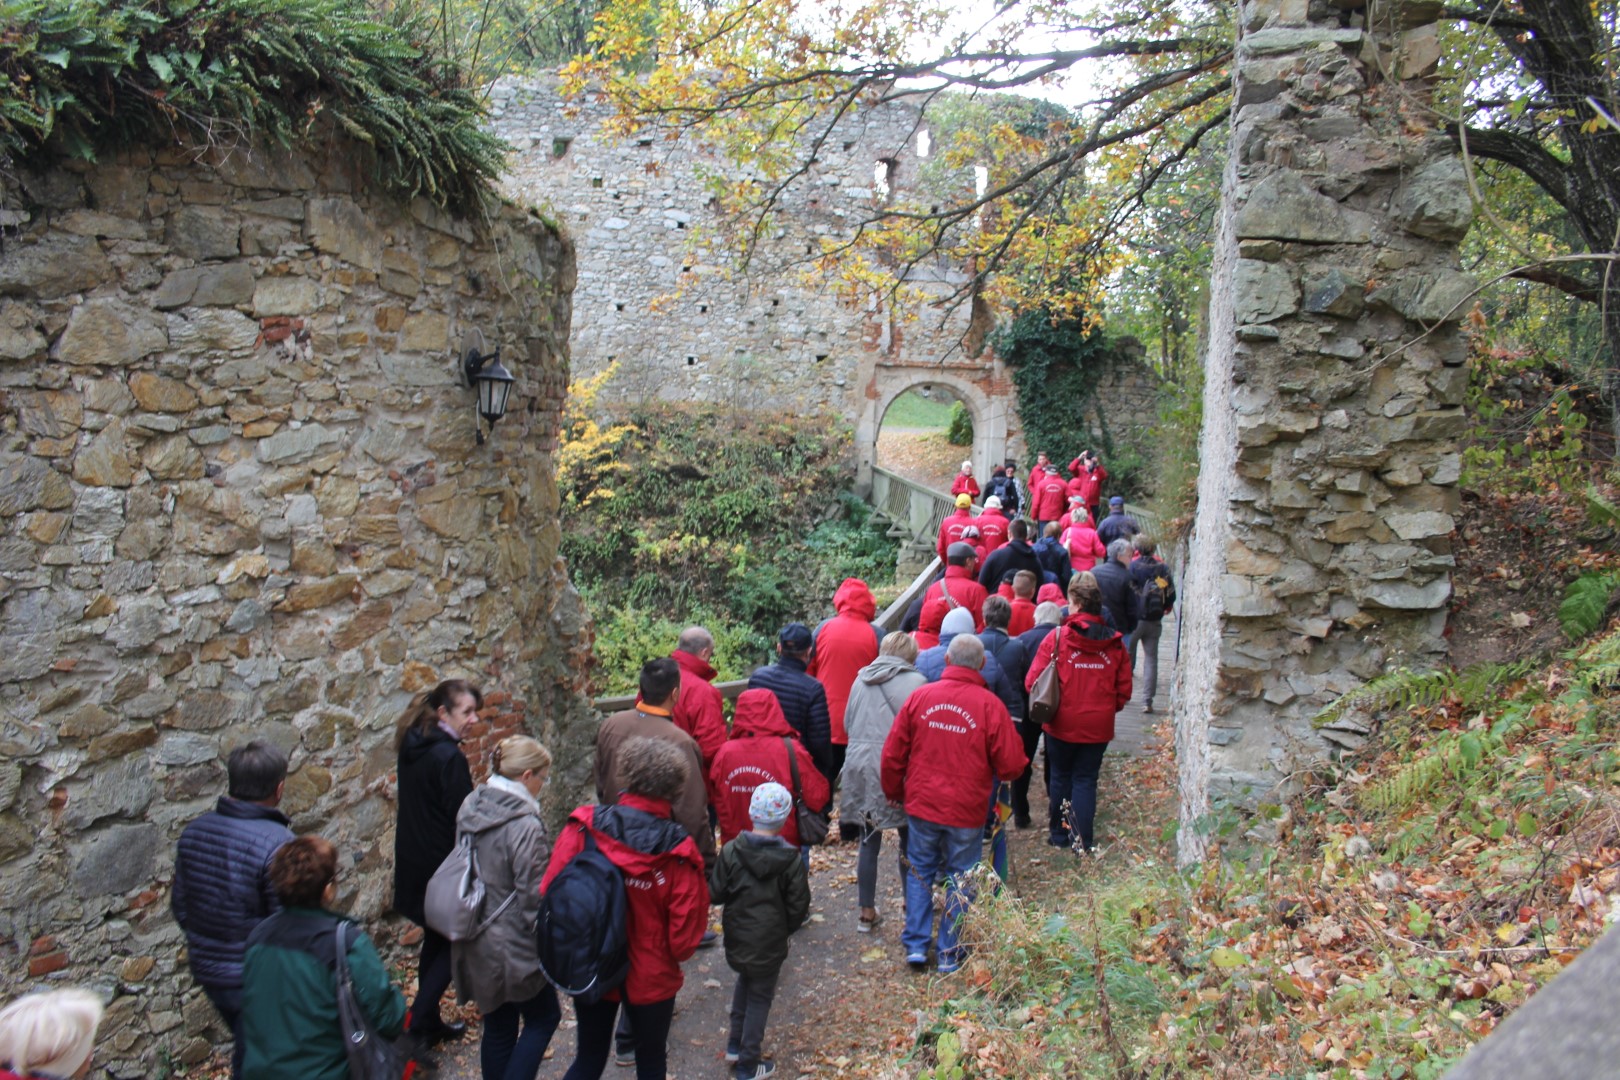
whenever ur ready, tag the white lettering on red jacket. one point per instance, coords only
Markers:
(944, 724)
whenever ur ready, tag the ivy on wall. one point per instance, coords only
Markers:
(86, 76)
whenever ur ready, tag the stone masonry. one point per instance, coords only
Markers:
(1335, 379)
(240, 497)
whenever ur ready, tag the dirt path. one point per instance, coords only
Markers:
(843, 994)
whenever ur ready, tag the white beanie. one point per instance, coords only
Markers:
(956, 621)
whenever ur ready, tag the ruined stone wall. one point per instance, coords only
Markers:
(240, 497)
(1334, 387)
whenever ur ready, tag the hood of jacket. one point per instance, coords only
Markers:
(1089, 633)
(883, 669)
(759, 713)
(1051, 593)
(854, 599)
(694, 664)
(419, 744)
(764, 857)
(488, 807)
(637, 833)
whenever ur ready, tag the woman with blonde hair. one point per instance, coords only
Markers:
(49, 1036)
(879, 690)
(500, 968)
(434, 779)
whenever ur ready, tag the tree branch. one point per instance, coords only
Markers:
(1564, 283)
(1525, 154)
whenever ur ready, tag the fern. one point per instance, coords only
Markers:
(1407, 689)
(1600, 511)
(1586, 599)
(1407, 786)
(1414, 837)
(1597, 664)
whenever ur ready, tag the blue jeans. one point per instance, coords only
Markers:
(1074, 777)
(935, 850)
(504, 1054)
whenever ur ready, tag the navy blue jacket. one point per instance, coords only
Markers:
(434, 780)
(222, 885)
(1143, 569)
(1008, 653)
(1054, 560)
(804, 703)
(1119, 595)
(1118, 525)
(931, 662)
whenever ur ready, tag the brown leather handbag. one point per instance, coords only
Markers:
(1048, 688)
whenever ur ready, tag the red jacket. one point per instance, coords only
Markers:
(1023, 617)
(992, 529)
(754, 755)
(1084, 547)
(950, 742)
(1050, 496)
(667, 891)
(950, 530)
(965, 483)
(699, 712)
(1036, 475)
(1050, 593)
(1096, 679)
(965, 590)
(845, 643)
(1088, 485)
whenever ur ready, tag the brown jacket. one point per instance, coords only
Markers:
(691, 806)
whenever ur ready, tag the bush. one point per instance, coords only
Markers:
(960, 430)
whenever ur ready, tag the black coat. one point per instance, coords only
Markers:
(1054, 560)
(1119, 595)
(804, 703)
(1143, 569)
(222, 885)
(433, 782)
(762, 883)
(1013, 661)
(1013, 555)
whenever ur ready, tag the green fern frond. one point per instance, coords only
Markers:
(1586, 599)
(1405, 688)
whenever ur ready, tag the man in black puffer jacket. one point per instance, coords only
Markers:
(222, 877)
(1113, 576)
(801, 695)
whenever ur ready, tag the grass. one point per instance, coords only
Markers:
(912, 410)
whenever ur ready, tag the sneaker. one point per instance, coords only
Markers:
(757, 1072)
(947, 967)
(1147, 707)
(917, 961)
(733, 1052)
(624, 1059)
(866, 926)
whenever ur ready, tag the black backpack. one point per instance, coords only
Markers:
(584, 946)
(1152, 594)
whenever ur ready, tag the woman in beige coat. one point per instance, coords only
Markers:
(500, 968)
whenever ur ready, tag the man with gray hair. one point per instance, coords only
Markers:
(221, 888)
(698, 712)
(1118, 590)
(952, 740)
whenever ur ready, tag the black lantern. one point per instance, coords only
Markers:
(486, 374)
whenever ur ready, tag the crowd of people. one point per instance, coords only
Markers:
(930, 731)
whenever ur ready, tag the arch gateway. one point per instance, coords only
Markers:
(1334, 373)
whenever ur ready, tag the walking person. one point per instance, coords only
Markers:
(500, 968)
(758, 753)
(1121, 605)
(700, 711)
(222, 885)
(1118, 525)
(844, 644)
(1156, 598)
(1048, 617)
(880, 690)
(1080, 540)
(433, 782)
(950, 743)
(964, 484)
(763, 884)
(290, 1019)
(667, 894)
(802, 697)
(1094, 674)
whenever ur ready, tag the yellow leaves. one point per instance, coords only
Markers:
(588, 455)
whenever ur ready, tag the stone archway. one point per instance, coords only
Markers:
(987, 397)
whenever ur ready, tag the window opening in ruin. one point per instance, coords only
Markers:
(618, 306)
(820, 356)
(703, 309)
(559, 146)
(596, 181)
(691, 361)
(981, 181)
(882, 175)
(686, 269)
(714, 201)
(925, 142)
(848, 146)
(680, 224)
(644, 142)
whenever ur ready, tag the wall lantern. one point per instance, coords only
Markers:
(485, 373)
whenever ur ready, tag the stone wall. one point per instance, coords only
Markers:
(1334, 389)
(240, 497)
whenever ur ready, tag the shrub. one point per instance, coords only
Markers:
(960, 430)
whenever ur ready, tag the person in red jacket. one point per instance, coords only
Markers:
(950, 530)
(668, 896)
(958, 588)
(844, 644)
(1049, 496)
(1085, 550)
(950, 743)
(1090, 474)
(1038, 473)
(1094, 673)
(699, 710)
(992, 525)
(1023, 603)
(757, 753)
(964, 484)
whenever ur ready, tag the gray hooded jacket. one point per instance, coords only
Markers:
(879, 691)
(502, 964)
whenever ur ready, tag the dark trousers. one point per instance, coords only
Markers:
(432, 980)
(750, 1009)
(227, 1001)
(505, 1054)
(649, 1025)
(1074, 777)
(1030, 732)
(866, 863)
